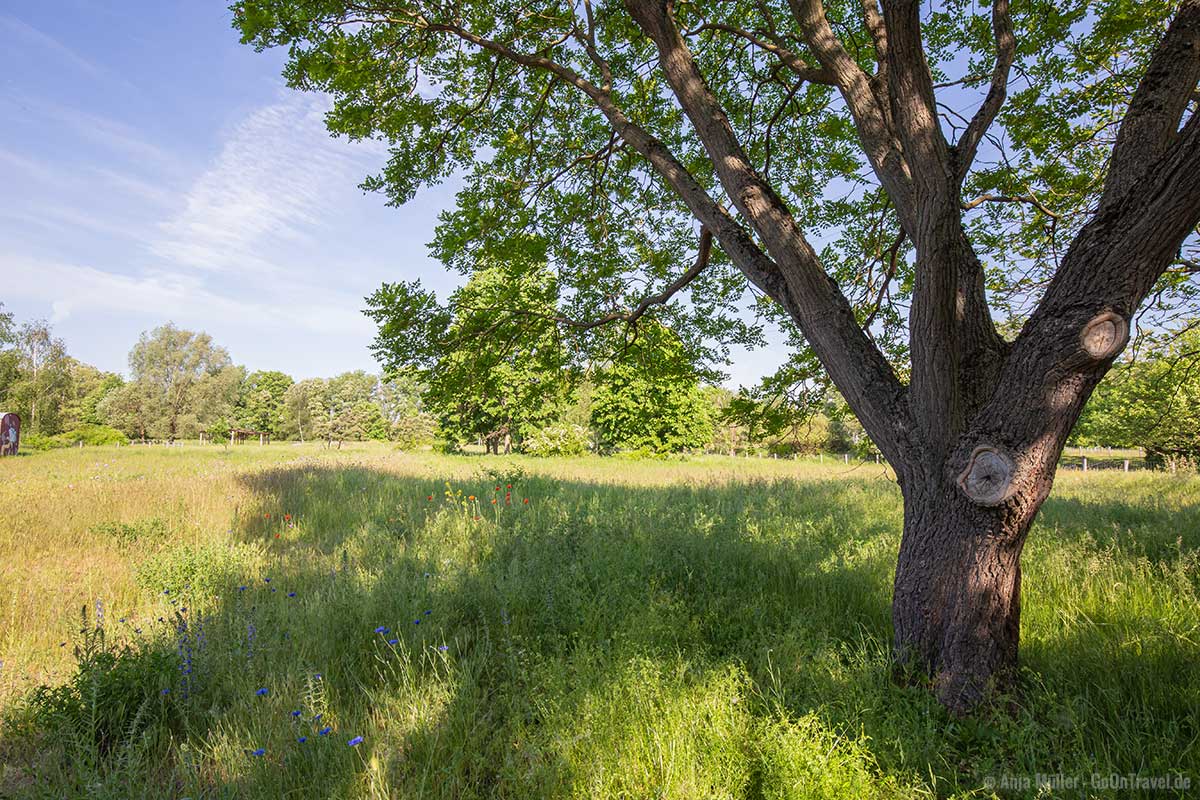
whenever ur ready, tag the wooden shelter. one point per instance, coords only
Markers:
(10, 433)
(240, 435)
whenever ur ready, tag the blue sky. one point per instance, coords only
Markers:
(152, 169)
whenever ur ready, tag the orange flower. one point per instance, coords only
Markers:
(266, 516)
(493, 501)
(277, 536)
(526, 501)
(430, 498)
(470, 497)
(287, 517)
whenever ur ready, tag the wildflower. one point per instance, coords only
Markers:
(324, 731)
(509, 486)
(497, 488)
(266, 580)
(478, 518)
(443, 648)
(296, 713)
(165, 691)
(493, 501)
(526, 501)
(287, 517)
(393, 641)
(430, 498)
(302, 739)
(318, 677)
(266, 516)
(470, 497)
(259, 752)
(166, 591)
(262, 691)
(277, 536)
(241, 588)
(417, 621)
(291, 594)
(382, 629)
(428, 611)
(355, 742)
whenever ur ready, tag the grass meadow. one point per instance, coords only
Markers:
(286, 621)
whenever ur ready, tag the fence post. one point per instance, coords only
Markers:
(1127, 465)
(846, 457)
(1085, 463)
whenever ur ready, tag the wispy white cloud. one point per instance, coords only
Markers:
(65, 54)
(270, 189)
(71, 288)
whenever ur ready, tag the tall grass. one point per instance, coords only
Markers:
(706, 628)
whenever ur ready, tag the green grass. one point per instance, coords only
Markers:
(710, 628)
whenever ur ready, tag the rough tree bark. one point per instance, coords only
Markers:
(976, 433)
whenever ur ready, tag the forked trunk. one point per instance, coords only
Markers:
(956, 608)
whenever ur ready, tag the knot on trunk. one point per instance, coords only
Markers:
(988, 477)
(1104, 335)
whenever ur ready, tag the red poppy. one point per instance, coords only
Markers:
(429, 498)
(526, 501)
(266, 516)
(493, 501)
(277, 536)
(287, 517)
(510, 486)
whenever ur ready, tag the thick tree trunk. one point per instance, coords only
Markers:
(956, 607)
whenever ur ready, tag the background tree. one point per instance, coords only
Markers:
(42, 384)
(650, 397)
(403, 406)
(261, 404)
(9, 360)
(89, 387)
(489, 375)
(613, 130)
(299, 415)
(170, 366)
(1152, 403)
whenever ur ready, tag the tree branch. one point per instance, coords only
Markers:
(792, 61)
(1152, 122)
(810, 296)
(1006, 51)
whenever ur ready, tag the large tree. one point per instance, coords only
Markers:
(491, 360)
(41, 386)
(866, 168)
(178, 376)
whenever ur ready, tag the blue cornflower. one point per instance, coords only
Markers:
(259, 752)
(443, 648)
(291, 594)
(317, 717)
(262, 691)
(318, 677)
(355, 742)
(417, 621)
(241, 588)
(382, 629)
(324, 731)
(296, 713)
(428, 611)
(393, 641)
(165, 691)
(302, 739)
(166, 591)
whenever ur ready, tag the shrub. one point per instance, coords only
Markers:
(92, 435)
(559, 439)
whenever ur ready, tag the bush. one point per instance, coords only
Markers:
(92, 435)
(560, 439)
